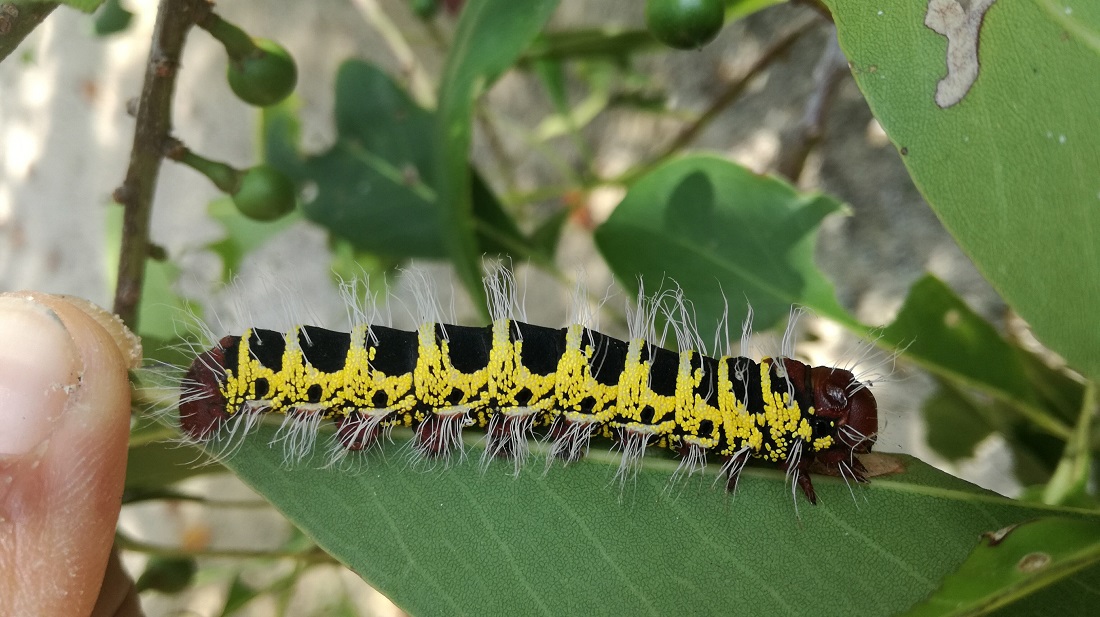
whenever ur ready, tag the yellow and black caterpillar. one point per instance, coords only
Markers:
(515, 380)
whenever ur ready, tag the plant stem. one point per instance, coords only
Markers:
(17, 21)
(796, 146)
(238, 44)
(226, 178)
(314, 555)
(153, 126)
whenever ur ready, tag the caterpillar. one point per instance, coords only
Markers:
(518, 381)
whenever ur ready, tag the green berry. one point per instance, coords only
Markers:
(685, 24)
(265, 194)
(263, 76)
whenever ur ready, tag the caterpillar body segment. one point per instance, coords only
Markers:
(514, 380)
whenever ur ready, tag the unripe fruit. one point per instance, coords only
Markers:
(261, 72)
(685, 24)
(264, 76)
(265, 194)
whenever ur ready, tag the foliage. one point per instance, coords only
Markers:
(1007, 167)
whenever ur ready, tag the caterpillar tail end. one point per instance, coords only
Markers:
(202, 404)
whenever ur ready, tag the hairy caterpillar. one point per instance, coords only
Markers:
(517, 381)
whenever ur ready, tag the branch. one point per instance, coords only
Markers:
(18, 20)
(153, 126)
(796, 146)
(310, 555)
(728, 96)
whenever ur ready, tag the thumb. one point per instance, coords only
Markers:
(64, 422)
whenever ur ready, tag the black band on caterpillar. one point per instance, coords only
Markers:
(513, 379)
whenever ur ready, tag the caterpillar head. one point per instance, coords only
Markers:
(837, 395)
(202, 405)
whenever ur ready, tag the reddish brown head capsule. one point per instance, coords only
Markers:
(837, 395)
(202, 406)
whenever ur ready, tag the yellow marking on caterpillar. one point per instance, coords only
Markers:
(436, 378)
(508, 376)
(575, 382)
(436, 385)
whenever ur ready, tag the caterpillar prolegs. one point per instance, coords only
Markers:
(519, 381)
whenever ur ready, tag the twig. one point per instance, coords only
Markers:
(797, 145)
(313, 555)
(18, 20)
(153, 126)
(732, 92)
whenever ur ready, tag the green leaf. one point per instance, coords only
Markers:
(586, 44)
(712, 225)
(167, 575)
(568, 119)
(378, 207)
(569, 541)
(351, 264)
(546, 237)
(618, 45)
(240, 594)
(489, 37)
(938, 330)
(956, 424)
(81, 5)
(497, 232)
(1070, 483)
(161, 306)
(1016, 561)
(112, 18)
(1010, 168)
(375, 187)
(157, 464)
(738, 9)
(370, 186)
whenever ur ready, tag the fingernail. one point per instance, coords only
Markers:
(39, 370)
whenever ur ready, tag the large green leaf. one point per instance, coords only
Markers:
(937, 329)
(712, 225)
(370, 186)
(489, 38)
(459, 541)
(376, 187)
(1014, 562)
(1011, 168)
(955, 423)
